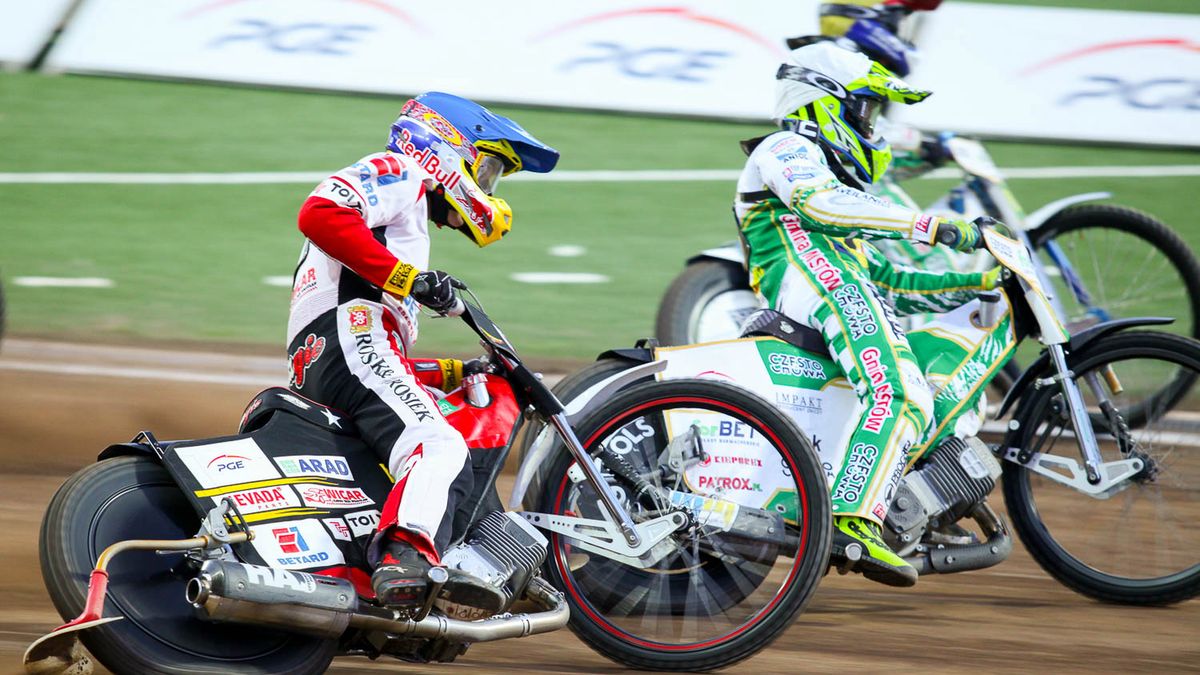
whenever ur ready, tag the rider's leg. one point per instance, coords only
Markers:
(959, 357)
(362, 372)
(830, 291)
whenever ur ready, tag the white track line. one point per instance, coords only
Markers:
(639, 176)
(142, 374)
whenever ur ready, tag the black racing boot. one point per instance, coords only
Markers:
(402, 579)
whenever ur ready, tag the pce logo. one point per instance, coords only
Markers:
(228, 463)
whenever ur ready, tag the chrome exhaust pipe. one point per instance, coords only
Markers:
(327, 606)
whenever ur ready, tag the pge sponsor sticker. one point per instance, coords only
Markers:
(227, 463)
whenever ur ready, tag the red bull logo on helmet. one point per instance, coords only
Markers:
(428, 160)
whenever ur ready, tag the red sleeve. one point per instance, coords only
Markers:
(343, 234)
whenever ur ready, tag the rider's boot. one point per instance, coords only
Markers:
(402, 582)
(402, 579)
(873, 558)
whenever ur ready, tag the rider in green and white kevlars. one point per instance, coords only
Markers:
(805, 223)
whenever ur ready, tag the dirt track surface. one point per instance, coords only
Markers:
(57, 410)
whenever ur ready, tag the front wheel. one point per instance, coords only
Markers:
(1138, 544)
(135, 498)
(756, 541)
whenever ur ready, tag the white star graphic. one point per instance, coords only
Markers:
(333, 419)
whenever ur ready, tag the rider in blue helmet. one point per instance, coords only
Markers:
(363, 271)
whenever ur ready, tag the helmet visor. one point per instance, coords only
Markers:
(864, 113)
(488, 170)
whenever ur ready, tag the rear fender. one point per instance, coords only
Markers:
(128, 450)
(1048, 211)
(731, 252)
(1076, 344)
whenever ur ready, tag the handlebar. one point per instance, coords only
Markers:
(457, 309)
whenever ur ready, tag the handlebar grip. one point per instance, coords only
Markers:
(947, 237)
(419, 287)
(458, 308)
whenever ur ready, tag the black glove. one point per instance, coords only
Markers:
(435, 290)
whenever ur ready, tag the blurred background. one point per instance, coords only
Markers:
(155, 153)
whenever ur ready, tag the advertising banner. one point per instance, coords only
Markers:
(1059, 73)
(697, 57)
(27, 27)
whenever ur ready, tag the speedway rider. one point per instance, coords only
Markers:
(363, 271)
(805, 222)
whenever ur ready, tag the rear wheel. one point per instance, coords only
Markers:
(135, 498)
(715, 593)
(708, 301)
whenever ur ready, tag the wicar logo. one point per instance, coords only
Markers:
(304, 357)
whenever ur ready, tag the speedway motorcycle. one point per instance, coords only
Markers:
(248, 553)
(1100, 459)
(1075, 241)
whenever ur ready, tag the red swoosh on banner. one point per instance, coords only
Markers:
(377, 4)
(1180, 43)
(677, 12)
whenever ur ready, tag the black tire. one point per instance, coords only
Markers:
(135, 498)
(566, 390)
(1030, 522)
(813, 538)
(690, 293)
(1142, 226)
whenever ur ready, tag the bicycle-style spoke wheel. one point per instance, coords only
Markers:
(753, 537)
(1138, 543)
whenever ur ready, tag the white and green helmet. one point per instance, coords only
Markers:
(840, 93)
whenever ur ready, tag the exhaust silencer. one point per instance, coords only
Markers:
(327, 606)
(298, 601)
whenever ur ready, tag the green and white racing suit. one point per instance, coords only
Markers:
(807, 253)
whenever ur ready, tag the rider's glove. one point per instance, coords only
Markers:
(993, 278)
(933, 150)
(435, 290)
(958, 235)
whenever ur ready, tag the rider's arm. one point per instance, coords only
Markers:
(444, 374)
(916, 291)
(338, 215)
(794, 168)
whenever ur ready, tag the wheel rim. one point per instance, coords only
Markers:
(148, 589)
(689, 600)
(1145, 534)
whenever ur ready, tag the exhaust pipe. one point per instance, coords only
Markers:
(327, 606)
(993, 551)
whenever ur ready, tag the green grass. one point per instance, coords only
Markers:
(1170, 6)
(188, 260)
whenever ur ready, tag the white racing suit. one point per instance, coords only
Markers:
(805, 233)
(348, 338)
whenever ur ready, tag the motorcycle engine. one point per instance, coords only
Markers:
(956, 476)
(503, 550)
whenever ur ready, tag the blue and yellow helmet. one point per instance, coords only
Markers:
(841, 94)
(466, 148)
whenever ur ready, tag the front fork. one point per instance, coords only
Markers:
(608, 498)
(1085, 435)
